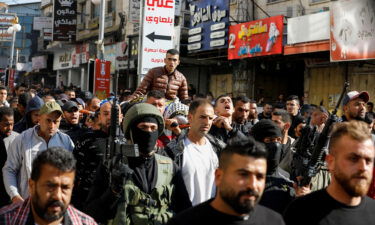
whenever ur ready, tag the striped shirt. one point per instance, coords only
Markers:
(19, 214)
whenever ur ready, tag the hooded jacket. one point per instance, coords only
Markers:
(25, 123)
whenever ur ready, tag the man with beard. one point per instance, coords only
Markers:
(267, 110)
(7, 135)
(245, 115)
(354, 105)
(350, 162)
(89, 152)
(50, 186)
(223, 127)
(70, 124)
(240, 181)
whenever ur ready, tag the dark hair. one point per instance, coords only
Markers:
(20, 85)
(370, 104)
(293, 97)
(241, 98)
(196, 103)
(156, 94)
(69, 90)
(285, 117)
(173, 52)
(57, 157)
(369, 118)
(244, 147)
(6, 111)
(3, 88)
(220, 96)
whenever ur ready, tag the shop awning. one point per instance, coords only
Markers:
(308, 47)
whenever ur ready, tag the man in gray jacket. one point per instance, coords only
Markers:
(25, 147)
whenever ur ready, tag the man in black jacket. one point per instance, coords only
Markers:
(240, 181)
(147, 190)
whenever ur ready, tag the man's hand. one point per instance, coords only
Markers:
(17, 199)
(224, 122)
(301, 191)
(120, 173)
(172, 125)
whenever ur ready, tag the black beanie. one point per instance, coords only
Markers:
(265, 128)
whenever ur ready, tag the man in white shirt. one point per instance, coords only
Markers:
(199, 160)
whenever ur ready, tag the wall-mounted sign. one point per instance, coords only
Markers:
(41, 23)
(39, 62)
(63, 59)
(208, 25)
(352, 30)
(6, 20)
(157, 33)
(256, 38)
(102, 78)
(64, 20)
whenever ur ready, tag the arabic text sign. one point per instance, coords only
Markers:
(158, 29)
(102, 78)
(64, 20)
(256, 38)
(208, 25)
(352, 30)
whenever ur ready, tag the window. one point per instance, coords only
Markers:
(83, 12)
(95, 10)
(111, 6)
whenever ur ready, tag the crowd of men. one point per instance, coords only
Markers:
(186, 159)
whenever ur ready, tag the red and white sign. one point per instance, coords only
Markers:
(256, 38)
(157, 33)
(11, 78)
(352, 30)
(102, 78)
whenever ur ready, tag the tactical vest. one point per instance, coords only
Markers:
(139, 208)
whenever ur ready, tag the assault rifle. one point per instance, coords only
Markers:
(303, 149)
(118, 150)
(320, 148)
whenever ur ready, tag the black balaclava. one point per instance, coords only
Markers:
(146, 140)
(267, 128)
(273, 157)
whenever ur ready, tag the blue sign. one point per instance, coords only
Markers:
(209, 21)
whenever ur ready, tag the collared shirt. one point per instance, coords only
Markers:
(19, 214)
(21, 153)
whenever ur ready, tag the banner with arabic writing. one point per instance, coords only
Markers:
(65, 20)
(209, 22)
(256, 38)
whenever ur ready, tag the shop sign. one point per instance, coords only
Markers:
(110, 55)
(64, 20)
(6, 20)
(157, 33)
(39, 62)
(63, 59)
(40, 23)
(256, 38)
(352, 30)
(208, 25)
(102, 78)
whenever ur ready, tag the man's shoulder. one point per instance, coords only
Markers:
(79, 217)
(303, 204)
(193, 215)
(9, 209)
(264, 215)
